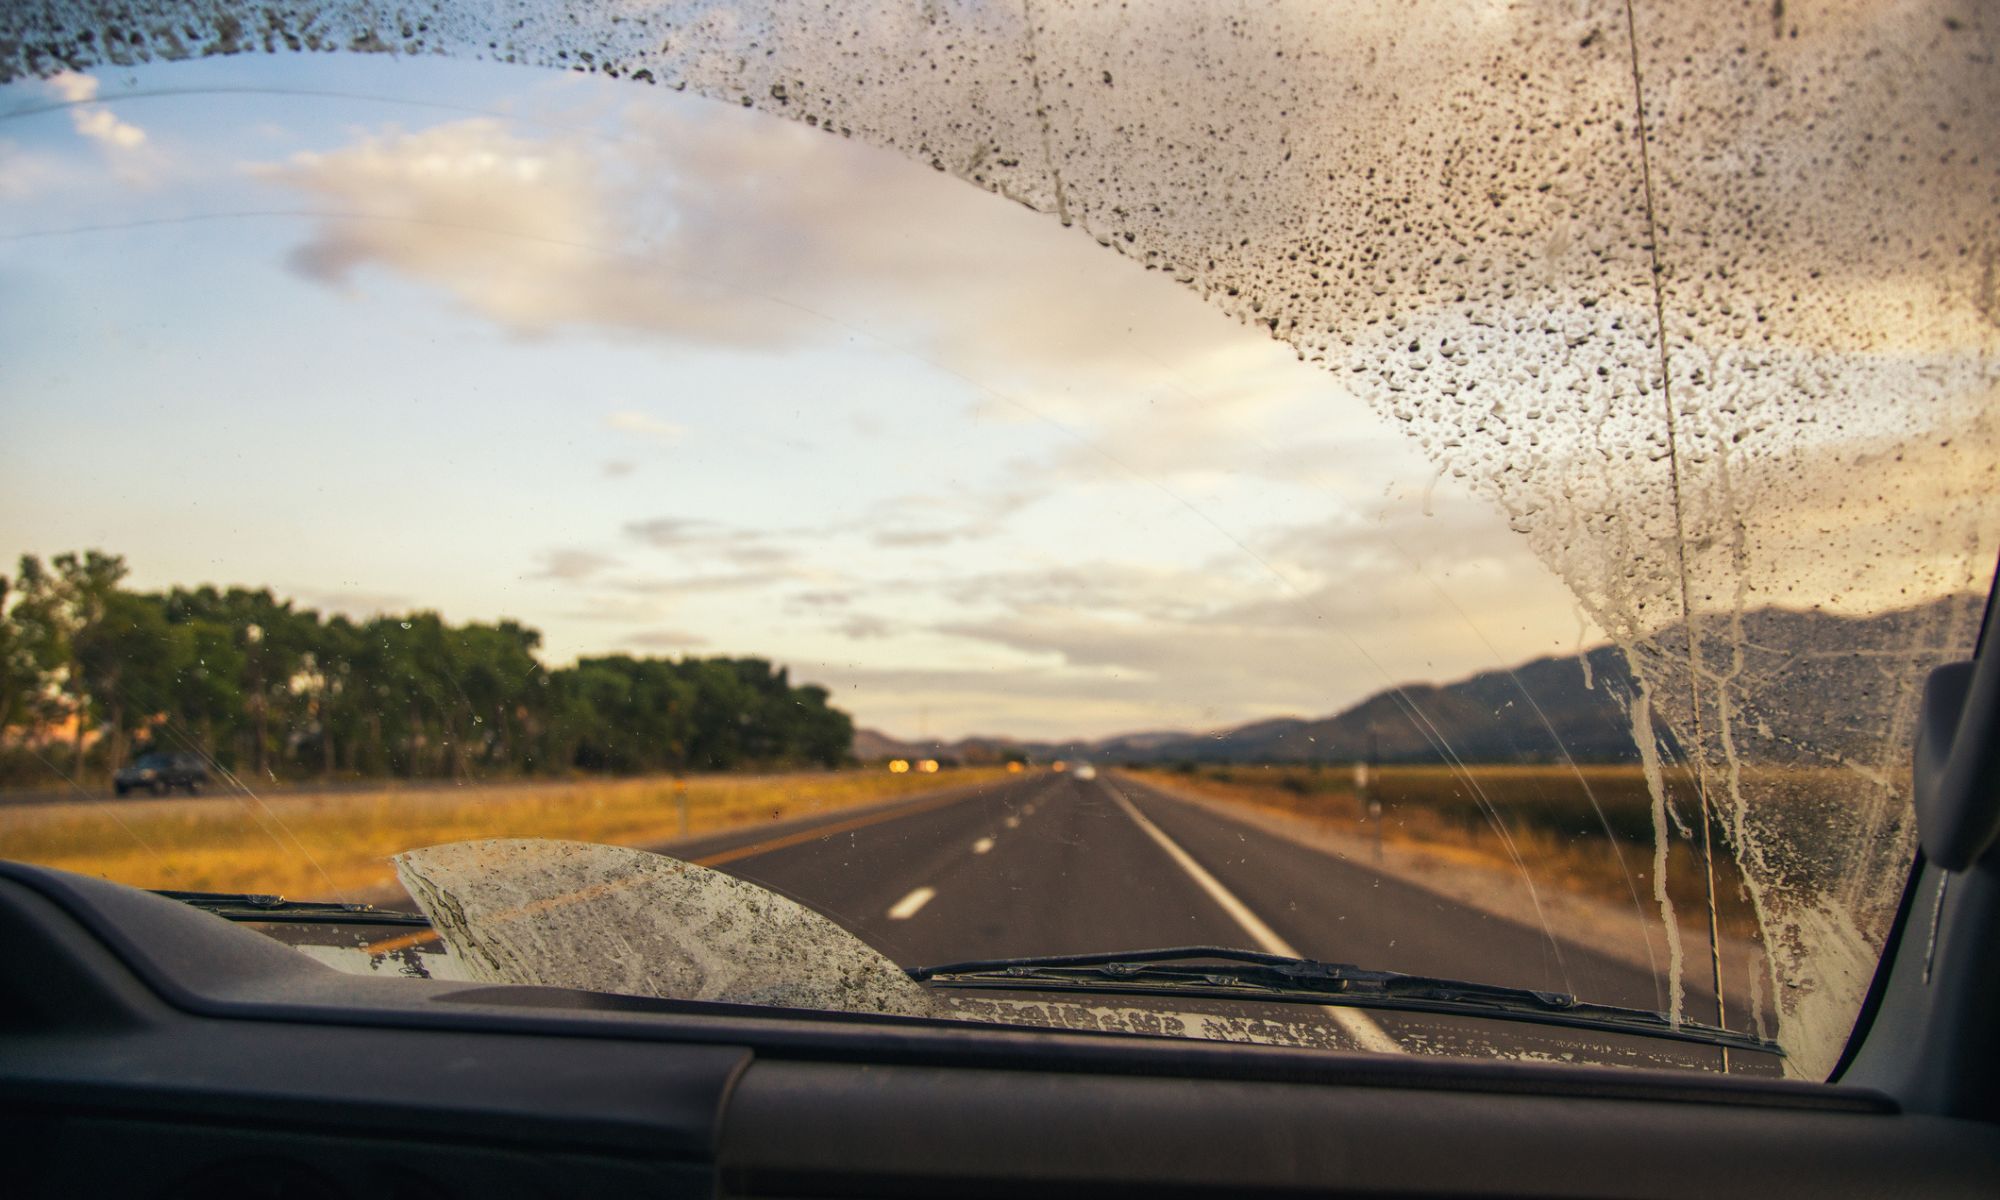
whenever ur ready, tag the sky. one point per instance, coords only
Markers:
(659, 375)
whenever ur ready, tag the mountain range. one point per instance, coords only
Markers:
(1809, 686)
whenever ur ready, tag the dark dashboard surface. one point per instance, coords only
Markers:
(153, 1050)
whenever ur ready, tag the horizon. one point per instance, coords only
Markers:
(1969, 598)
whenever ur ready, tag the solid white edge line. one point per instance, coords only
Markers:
(1357, 1025)
(907, 907)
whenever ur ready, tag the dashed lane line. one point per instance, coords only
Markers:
(1365, 1032)
(907, 907)
(982, 845)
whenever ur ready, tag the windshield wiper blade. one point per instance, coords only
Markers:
(1220, 972)
(253, 906)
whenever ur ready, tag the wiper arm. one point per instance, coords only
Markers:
(252, 906)
(1248, 975)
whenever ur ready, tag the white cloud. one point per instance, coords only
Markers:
(93, 121)
(73, 87)
(100, 125)
(696, 227)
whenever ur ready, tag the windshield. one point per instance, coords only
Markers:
(1464, 491)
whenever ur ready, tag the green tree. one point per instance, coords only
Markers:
(24, 683)
(207, 700)
(269, 687)
(59, 609)
(129, 661)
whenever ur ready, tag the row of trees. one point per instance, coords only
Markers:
(90, 670)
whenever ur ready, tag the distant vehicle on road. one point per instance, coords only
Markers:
(1085, 771)
(161, 773)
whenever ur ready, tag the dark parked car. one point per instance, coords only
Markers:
(162, 773)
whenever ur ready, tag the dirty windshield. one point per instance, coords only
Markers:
(1382, 527)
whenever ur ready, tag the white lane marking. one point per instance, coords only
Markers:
(907, 907)
(982, 845)
(1357, 1025)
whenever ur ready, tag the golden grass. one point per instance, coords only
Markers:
(1546, 811)
(337, 845)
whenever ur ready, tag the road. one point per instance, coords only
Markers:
(1047, 863)
(1051, 864)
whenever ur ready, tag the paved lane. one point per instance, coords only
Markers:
(1049, 864)
(1043, 865)
(1346, 911)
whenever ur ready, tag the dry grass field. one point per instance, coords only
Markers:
(336, 845)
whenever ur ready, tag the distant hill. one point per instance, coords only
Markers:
(1807, 677)
(872, 746)
(1490, 717)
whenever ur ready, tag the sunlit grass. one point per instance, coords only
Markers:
(337, 845)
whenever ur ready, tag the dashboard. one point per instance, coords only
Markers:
(150, 1049)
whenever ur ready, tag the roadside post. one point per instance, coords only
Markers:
(1371, 804)
(1364, 791)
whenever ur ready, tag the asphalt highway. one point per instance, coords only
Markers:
(1047, 863)
(1052, 864)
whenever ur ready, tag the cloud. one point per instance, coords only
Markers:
(73, 87)
(618, 468)
(916, 538)
(1420, 588)
(101, 125)
(1308, 655)
(92, 121)
(682, 584)
(571, 565)
(751, 553)
(528, 232)
(710, 540)
(645, 425)
(862, 627)
(667, 533)
(1126, 589)
(665, 639)
(959, 516)
(705, 226)
(693, 228)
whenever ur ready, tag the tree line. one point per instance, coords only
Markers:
(91, 672)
